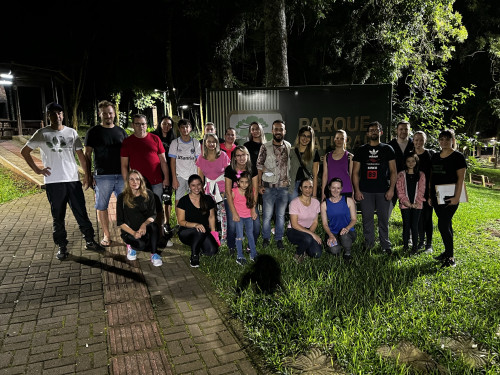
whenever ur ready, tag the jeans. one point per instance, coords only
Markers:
(274, 200)
(425, 225)
(343, 241)
(368, 205)
(445, 214)
(105, 185)
(246, 222)
(231, 227)
(410, 225)
(200, 242)
(305, 243)
(295, 193)
(59, 195)
(147, 242)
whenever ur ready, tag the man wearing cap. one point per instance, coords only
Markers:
(104, 141)
(58, 145)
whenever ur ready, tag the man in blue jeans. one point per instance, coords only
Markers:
(104, 141)
(273, 165)
(58, 145)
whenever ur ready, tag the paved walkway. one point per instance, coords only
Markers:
(100, 313)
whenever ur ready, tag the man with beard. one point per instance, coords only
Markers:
(104, 141)
(373, 179)
(273, 165)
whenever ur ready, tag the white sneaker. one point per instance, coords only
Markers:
(156, 260)
(131, 253)
(169, 243)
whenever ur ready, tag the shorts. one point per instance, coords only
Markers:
(183, 188)
(157, 189)
(105, 185)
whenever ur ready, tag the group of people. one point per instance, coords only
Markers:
(219, 185)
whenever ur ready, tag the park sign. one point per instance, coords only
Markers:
(324, 108)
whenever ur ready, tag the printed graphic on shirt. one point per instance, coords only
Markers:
(58, 143)
(372, 165)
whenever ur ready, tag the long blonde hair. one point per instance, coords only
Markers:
(309, 151)
(205, 148)
(128, 195)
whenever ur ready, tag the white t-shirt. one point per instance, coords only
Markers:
(185, 154)
(58, 148)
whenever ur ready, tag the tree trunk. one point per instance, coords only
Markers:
(78, 85)
(275, 43)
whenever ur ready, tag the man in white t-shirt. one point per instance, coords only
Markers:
(183, 152)
(58, 145)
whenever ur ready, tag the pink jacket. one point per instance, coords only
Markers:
(403, 192)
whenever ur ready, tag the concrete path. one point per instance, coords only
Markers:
(100, 313)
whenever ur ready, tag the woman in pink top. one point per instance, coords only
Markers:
(304, 212)
(338, 163)
(211, 165)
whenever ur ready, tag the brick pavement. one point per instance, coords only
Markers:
(100, 313)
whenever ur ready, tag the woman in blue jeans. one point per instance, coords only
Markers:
(240, 162)
(304, 212)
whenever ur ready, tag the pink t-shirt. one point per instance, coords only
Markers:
(240, 204)
(306, 214)
(213, 170)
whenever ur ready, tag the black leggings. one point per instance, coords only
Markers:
(445, 214)
(425, 226)
(147, 242)
(200, 242)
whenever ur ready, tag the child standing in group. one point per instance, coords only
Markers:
(410, 186)
(244, 203)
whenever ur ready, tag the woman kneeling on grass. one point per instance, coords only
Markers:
(304, 212)
(338, 214)
(196, 217)
(135, 215)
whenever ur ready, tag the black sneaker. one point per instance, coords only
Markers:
(194, 262)
(279, 244)
(448, 262)
(92, 245)
(441, 257)
(62, 253)
(265, 242)
(347, 258)
(241, 261)
(428, 249)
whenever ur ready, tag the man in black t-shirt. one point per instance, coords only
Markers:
(373, 179)
(104, 142)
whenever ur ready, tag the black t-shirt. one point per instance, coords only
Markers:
(411, 185)
(400, 155)
(135, 216)
(444, 170)
(300, 172)
(424, 165)
(106, 143)
(253, 148)
(231, 174)
(194, 214)
(374, 172)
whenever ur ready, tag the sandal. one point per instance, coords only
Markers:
(105, 242)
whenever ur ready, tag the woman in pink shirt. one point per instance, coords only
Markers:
(304, 212)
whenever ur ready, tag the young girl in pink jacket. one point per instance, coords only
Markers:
(410, 186)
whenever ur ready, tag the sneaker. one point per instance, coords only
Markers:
(241, 261)
(156, 260)
(265, 242)
(131, 253)
(248, 250)
(92, 245)
(167, 230)
(388, 251)
(448, 262)
(428, 249)
(254, 258)
(170, 243)
(441, 257)
(62, 253)
(279, 244)
(194, 262)
(420, 246)
(347, 258)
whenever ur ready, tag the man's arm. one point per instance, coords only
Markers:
(26, 154)
(83, 164)
(394, 176)
(89, 180)
(164, 169)
(355, 180)
(124, 164)
(175, 182)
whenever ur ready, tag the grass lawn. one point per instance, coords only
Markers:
(493, 174)
(12, 186)
(359, 313)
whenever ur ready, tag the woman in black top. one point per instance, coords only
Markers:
(256, 138)
(425, 226)
(135, 216)
(447, 167)
(196, 217)
(165, 131)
